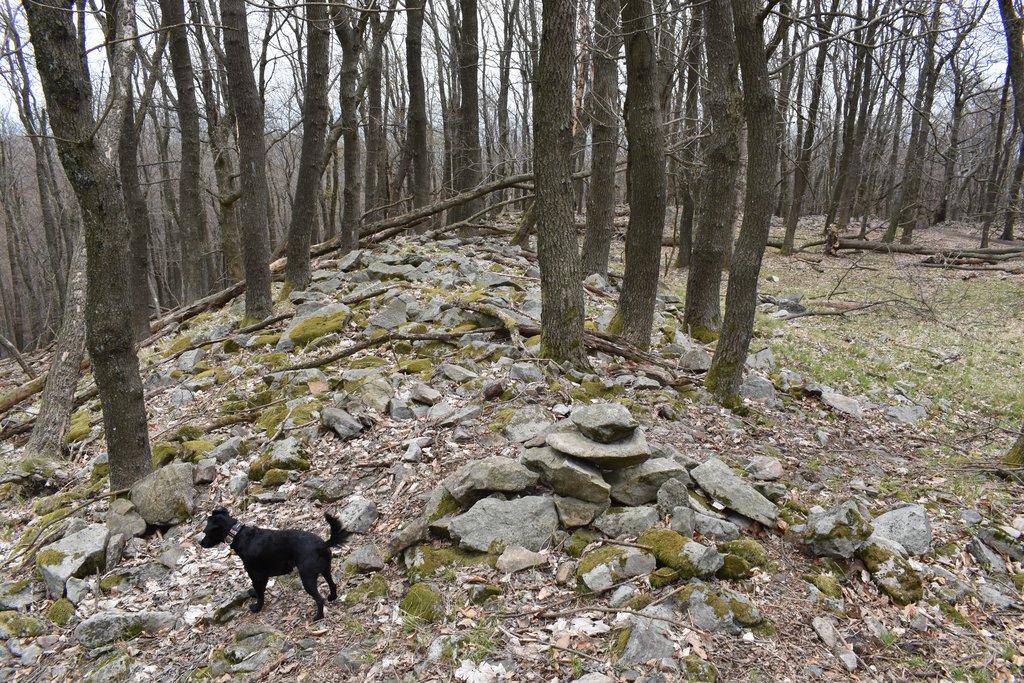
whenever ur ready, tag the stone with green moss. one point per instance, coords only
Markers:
(198, 448)
(114, 668)
(734, 568)
(827, 584)
(368, 362)
(747, 548)
(272, 360)
(602, 568)
(689, 558)
(274, 477)
(283, 456)
(579, 541)
(178, 346)
(663, 576)
(716, 608)
(164, 453)
(376, 587)
(14, 624)
(892, 574)
(61, 612)
(480, 593)
(312, 328)
(696, 670)
(440, 504)
(277, 417)
(415, 366)
(423, 561)
(422, 604)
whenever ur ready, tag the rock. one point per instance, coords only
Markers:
(992, 596)
(311, 325)
(595, 678)
(715, 528)
(366, 558)
(908, 526)
(604, 567)
(424, 393)
(604, 422)
(839, 532)
(689, 558)
(107, 627)
(254, 648)
(165, 497)
(715, 477)
(987, 559)
(394, 313)
(516, 558)
(971, 517)
(719, 609)
(16, 596)
(757, 388)
(77, 554)
(399, 409)
(457, 373)
(649, 636)
(238, 484)
(188, 360)
(205, 472)
(625, 453)
(842, 404)
(672, 494)
(181, 397)
(566, 476)
(765, 468)
(907, 415)
(640, 484)
(626, 522)
(527, 423)
(528, 373)
(228, 450)
(573, 512)
(1004, 540)
(115, 668)
(17, 625)
(892, 574)
(358, 515)
(762, 361)
(123, 518)
(480, 478)
(341, 423)
(683, 521)
(529, 521)
(825, 627)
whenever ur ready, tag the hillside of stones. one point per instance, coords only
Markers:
(512, 520)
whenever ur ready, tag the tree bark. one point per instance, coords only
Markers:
(604, 106)
(557, 250)
(726, 372)
(468, 158)
(687, 185)
(417, 132)
(723, 104)
(314, 125)
(54, 419)
(252, 155)
(61, 64)
(646, 173)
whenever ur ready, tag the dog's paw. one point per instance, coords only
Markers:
(252, 592)
(255, 607)
(332, 597)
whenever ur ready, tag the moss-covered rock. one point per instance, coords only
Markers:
(748, 549)
(197, 449)
(424, 560)
(315, 327)
(416, 366)
(164, 453)
(892, 574)
(422, 603)
(579, 541)
(274, 477)
(481, 593)
(61, 612)
(827, 584)
(696, 670)
(273, 419)
(272, 360)
(266, 340)
(375, 587)
(733, 567)
(14, 624)
(602, 568)
(663, 576)
(673, 550)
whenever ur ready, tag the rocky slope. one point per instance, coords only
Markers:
(515, 521)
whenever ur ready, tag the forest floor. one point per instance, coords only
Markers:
(880, 328)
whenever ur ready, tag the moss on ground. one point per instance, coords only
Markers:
(422, 604)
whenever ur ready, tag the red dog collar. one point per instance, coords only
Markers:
(230, 538)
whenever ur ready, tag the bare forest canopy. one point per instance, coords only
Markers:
(885, 110)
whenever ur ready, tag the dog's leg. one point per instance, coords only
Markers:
(330, 583)
(309, 583)
(259, 588)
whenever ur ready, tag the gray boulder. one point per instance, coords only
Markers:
(720, 609)
(683, 521)
(123, 518)
(358, 515)
(907, 415)
(842, 404)
(516, 558)
(757, 388)
(604, 422)
(116, 668)
(626, 522)
(188, 360)
(649, 636)
(302, 323)
(107, 627)
(340, 422)
(764, 468)
(76, 555)
(672, 494)
(478, 479)
(908, 526)
(166, 497)
(625, 453)
(393, 314)
(718, 480)
(424, 393)
(529, 521)
(640, 484)
(604, 567)
(839, 532)
(566, 476)
(715, 528)
(573, 512)
(227, 450)
(527, 423)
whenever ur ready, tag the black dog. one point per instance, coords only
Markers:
(269, 552)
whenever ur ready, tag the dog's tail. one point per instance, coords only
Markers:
(337, 535)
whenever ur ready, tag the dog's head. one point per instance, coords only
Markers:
(218, 524)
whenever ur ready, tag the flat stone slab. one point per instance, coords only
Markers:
(482, 477)
(640, 484)
(718, 480)
(612, 456)
(566, 476)
(107, 627)
(908, 526)
(604, 422)
(529, 521)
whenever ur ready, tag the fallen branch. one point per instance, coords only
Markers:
(13, 350)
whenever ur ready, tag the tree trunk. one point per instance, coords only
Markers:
(560, 274)
(646, 173)
(252, 155)
(61, 64)
(1015, 456)
(417, 133)
(703, 313)
(350, 35)
(604, 105)
(138, 221)
(54, 419)
(196, 277)
(468, 157)
(687, 185)
(314, 125)
(726, 372)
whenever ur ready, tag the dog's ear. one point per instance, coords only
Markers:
(220, 511)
